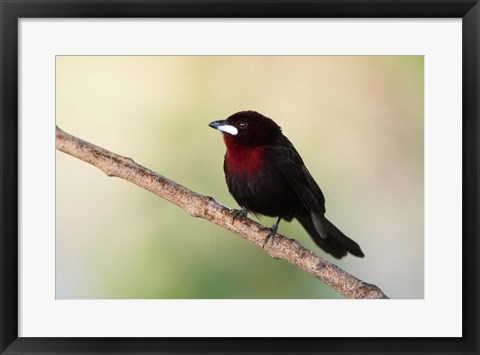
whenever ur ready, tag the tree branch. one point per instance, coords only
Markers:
(207, 208)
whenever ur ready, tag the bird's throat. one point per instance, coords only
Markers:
(244, 160)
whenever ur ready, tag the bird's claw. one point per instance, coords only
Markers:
(271, 234)
(239, 214)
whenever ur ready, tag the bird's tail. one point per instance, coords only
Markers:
(336, 243)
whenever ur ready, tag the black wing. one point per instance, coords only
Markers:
(291, 165)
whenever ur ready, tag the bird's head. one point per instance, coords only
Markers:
(248, 129)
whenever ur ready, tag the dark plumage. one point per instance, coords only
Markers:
(266, 175)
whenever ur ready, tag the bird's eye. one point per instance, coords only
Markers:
(243, 125)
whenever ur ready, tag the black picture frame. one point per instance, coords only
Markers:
(12, 11)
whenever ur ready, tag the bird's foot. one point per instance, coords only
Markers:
(239, 214)
(271, 234)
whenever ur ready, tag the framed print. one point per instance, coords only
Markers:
(356, 234)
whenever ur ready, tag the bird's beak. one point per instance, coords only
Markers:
(223, 126)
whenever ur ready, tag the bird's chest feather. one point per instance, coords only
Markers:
(245, 172)
(245, 162)
(256, 184)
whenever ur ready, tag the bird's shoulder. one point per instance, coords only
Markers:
(283, 151)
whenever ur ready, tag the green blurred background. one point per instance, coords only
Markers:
(357, 121)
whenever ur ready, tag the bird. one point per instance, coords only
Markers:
(267, 176)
